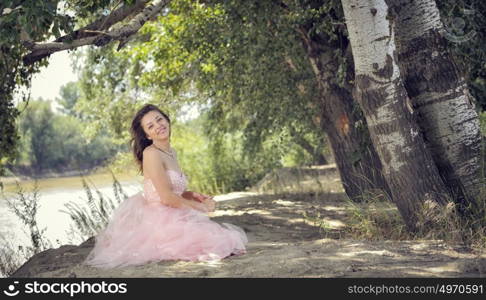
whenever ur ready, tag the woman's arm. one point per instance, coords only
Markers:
(208, 201)
(153, 168)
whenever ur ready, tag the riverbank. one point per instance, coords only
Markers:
(292, 234)
(68, 179)
(282, 243)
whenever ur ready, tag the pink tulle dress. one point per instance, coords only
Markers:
(142, 230)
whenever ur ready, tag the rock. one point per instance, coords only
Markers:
(54, 259)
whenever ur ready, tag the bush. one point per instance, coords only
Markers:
(52, 142)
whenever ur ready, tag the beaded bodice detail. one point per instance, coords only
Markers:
(178, 182)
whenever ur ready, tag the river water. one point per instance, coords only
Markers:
(54, 194)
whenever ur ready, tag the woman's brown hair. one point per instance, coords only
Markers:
(139, 139)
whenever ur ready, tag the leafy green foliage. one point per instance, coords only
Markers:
(244, 59)
(217, 165)
(109, 93)
(37, 125)
(55, 142)
(69, 97)
(28, 21)
(255, 88)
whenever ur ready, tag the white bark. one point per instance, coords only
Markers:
(439, 93)
(414, 18)
(373, 48)
(371, 37)
(407, 165)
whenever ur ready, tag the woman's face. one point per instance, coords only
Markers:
(155, 125)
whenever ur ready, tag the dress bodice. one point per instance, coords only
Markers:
(178, 182)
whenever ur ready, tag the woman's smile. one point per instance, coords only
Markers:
(161, 131)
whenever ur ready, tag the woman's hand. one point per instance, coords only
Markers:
(205, 203)
(200, 197)
(210, 204)
(207, 206)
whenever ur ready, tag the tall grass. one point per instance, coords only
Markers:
(377, 218)
(25, 206)
(12, 257)
(89, 219)
(374, 218)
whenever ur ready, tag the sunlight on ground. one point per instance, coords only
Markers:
(259, 244)
(368, 252)
(231, 212)
(212, 263)
(234, 195)
(335, 224)
(219, 213)
(421, 246)
(334, 208)
(297, 221)
(284, 203)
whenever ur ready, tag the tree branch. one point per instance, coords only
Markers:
(41, 50)
(105, 22)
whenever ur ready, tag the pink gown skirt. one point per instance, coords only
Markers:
(143, 230)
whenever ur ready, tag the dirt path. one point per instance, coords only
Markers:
(283, 244)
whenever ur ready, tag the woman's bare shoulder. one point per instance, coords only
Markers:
(150, 153)
(149, 148)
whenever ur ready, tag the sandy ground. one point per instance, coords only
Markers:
(283, 244)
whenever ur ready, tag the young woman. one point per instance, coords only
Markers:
(165, 222)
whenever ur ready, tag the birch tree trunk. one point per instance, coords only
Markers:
(408, 166)
(440, 96)
(356, 159)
